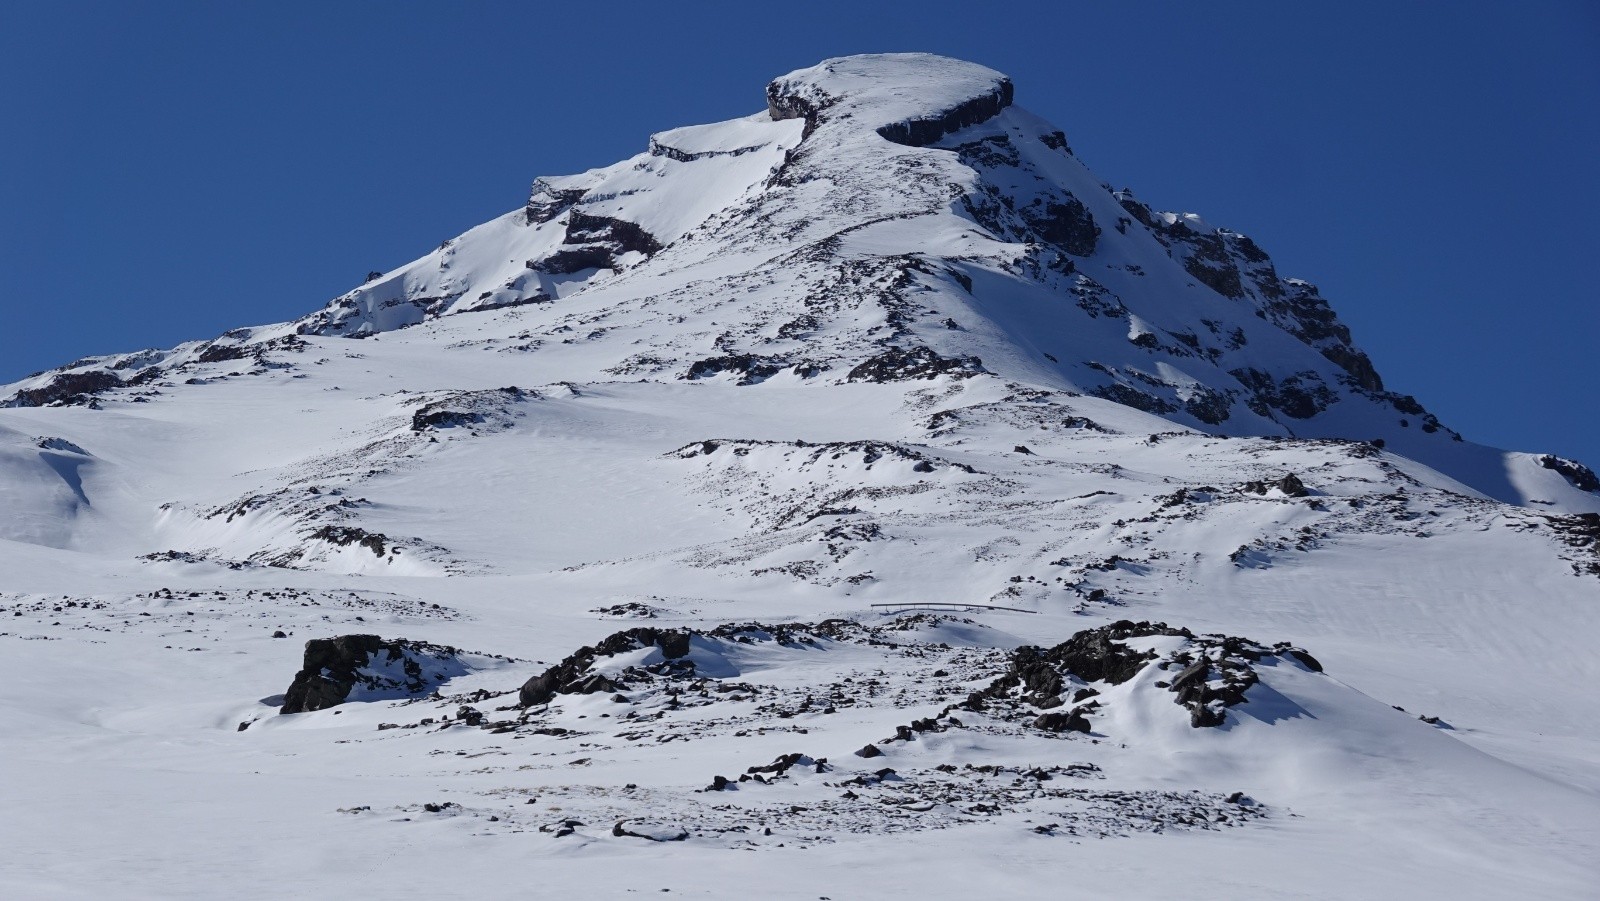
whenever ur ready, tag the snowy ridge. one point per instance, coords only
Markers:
(860, 476)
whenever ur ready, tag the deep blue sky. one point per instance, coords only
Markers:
(172, 170)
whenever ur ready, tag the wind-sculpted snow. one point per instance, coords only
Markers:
(861, 475)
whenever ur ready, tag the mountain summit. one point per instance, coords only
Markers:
(894, 216)
(869, 434)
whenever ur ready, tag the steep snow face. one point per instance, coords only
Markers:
(765, 392)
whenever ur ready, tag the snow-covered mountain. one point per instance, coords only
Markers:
(686, 449)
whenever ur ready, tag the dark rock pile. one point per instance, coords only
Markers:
(573, 675)
(899, 365)
(344, 536)
(468, 409)
(751, 368)
(1214, 672)
(1290, 485)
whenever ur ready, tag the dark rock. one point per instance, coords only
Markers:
(1133, 397)
(220, 353)
(572, 676)
(620, 832)
(1290, 485)
(1298, 396)
(1213, 672)
(596, 242)
(334, 667)
(1062, 721)
(1211, 266)
(66, 388)
(779, 766)
(1307, 660)
(1064, 223)
(921, 132)
(348, 535)
(1098, 655)
(869, 752)
(546, 202)
(428, 418)
(1577, 475)
(1209, 406)
(1190, 684)
(899, 364)
(751, 368)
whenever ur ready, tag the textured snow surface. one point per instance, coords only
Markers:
(782, 382)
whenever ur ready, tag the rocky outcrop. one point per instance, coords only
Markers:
(750, 368)
(596, 242)
(344, 536)
(922, 131)
(1577, 475)
(546, 201)
(1582, 532)
(1064, 223)
(900, 364)
(1298, 396)
(870, 90)
(574, 675)
(1213, 673)
(1129, 396)
(461, 409)
(1290, 485)
(334, 669)
(66, 388)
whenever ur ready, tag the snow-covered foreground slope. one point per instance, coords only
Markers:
(761, 395)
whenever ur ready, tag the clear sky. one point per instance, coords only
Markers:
(172, 170)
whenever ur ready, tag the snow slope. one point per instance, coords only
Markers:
(885, 344)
